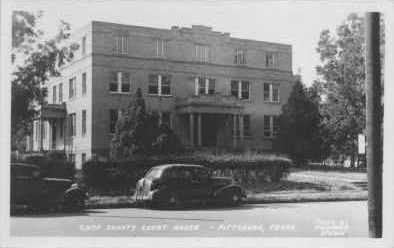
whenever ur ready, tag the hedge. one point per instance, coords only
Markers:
(51, 165)
(120, 177)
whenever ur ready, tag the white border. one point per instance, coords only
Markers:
(386, 7)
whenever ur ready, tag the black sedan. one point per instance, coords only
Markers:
(173, 185)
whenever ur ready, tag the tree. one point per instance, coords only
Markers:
(138, 133)
(35, 61)
(341, 82)
(299, 126)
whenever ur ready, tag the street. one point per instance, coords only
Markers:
(318, 219)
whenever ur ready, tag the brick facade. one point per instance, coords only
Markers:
(198, 109)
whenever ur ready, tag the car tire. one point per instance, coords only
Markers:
(73, 203)
(232, 198)
(173, 202)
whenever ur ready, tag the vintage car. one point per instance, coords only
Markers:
(29, 188)
(173, 185)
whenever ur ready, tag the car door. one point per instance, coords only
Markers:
(27, 185)
(200, 187)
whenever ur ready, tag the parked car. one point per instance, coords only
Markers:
(172, 185)
(30, 188)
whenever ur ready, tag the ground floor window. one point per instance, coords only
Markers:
(113, 118)
(246, 125)
(165, 119)
(83, 158)
(71, 158)
(271, 125)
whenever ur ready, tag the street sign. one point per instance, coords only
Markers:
(361, 144)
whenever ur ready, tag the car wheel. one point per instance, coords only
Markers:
(74, 203)
(174, 202)
(232, 198)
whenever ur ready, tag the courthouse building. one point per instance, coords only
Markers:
(212, 89)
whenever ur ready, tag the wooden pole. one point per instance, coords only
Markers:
(374, 124)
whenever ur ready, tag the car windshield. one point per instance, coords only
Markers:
(154, 173)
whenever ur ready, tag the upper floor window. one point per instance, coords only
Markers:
(271, 125)
(240, 56)
(121, 44)
(120, 82)
(72, 87)
(202, 53)
(84, 45)
(161, 48)
(72, 118)
(271, 92)
(84, 83)
(159, 84)
(205, 85)
(83, 122)
(271, 59)
(61, 93)
(240, 89)
(54, 94)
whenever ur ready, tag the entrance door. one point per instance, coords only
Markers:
(209, 129)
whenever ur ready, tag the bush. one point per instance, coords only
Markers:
(51, 165)
(246, 169)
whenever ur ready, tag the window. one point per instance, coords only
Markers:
(205, 85)
(165, 85)
(246, 125)
(161, 48)
(121, 44)
(54, 94)
(271, 92)
(83, 158)
(234, 88)
(72, 124)
(84, 45)
(240, 89)
(84, 83)
(83, 122)
(271, 125)
(71, 158)
(165, 119)
(244, 90)
(271, 59)
(61, 93)
(159, 85)
(72, 87)
(120, 82)
(153, 87)
(113, 115)
(202, 53)
(240, 56)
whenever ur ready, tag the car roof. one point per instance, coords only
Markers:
(166, 166)
(32, 166)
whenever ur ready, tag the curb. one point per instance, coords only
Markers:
(250, 201)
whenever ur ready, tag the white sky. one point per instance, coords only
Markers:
(296, 23)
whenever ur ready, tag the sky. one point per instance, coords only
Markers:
(297, 23)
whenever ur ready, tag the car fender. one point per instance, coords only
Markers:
(227, 188)
(74, 191)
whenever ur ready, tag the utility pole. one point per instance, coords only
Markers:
(374, 123)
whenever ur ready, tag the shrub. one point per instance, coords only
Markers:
(246, 169)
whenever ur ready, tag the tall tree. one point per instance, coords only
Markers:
(299, 126)
(35, 61)
(341, 83)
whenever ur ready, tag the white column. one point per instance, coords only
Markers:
(196, 86)
(206, 85)
(159, 84)
(199, 129)
(234, 130)
(191, 128)
(241, 127)
(239, 90)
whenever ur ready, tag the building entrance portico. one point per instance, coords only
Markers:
(212, 121)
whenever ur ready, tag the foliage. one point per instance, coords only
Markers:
(138, 133)
(36, 60)
(341, 84)
(246, 169)
(52, 165)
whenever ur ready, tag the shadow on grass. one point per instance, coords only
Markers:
(286, 185)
